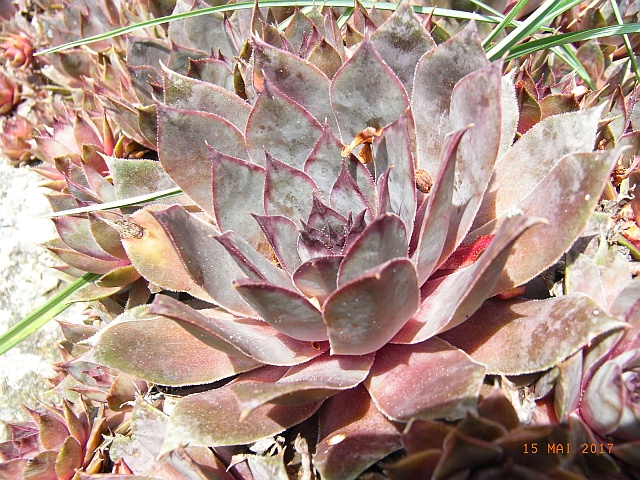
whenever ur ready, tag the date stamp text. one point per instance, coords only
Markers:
(566, 448)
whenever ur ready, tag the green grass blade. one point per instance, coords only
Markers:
(506, 21)
(438, 12)
(568, 57)
(126, 202)
(572, 37)
(627, 43)
(344, 18)
(539, 18)
(36, 319)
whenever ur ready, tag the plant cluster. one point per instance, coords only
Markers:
(374, 249)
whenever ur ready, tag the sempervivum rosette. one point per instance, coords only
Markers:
(329, 278)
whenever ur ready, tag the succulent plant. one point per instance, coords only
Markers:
(366, 219)
(327, 278)
(56, 445)
(17, 50)
(490, 444)
(9, 93)
(15, 143)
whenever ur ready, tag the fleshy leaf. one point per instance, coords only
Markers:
(346, 197)
(193, 242)
(531, 158)
(378, 100)
(140, 450)
(69, 458)
(312, 381)
(364, 314)
(401, 41)
(152, 252)
(118, 277)
(138, 177)
(514, 337)
(582, 276)
(435, 221)
(287, 191)
(51, 426)
(79, 260)
(126, 346)
(212, 418)
(406, 381)
(326, 58)
(568, 386)
(205, 33)
(384, 239)
(212, 71)
(566, 197)
(254, 338)
(199, 461)
(295, 77)
(230, 178)
(147, 51)
(183, 136)
(41, 466)
(354, 438)
(450, 300)
(478, 148)
(251, 262)
(127, 119)
(510, 114)
(393, 150)
(318, 278)
(282, 235)
(285, 310)
(325, 164)
(282, 127)
(438, 71)
(191, 94)
(76, 233)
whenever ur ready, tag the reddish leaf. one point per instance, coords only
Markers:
(254, 338)
(282, 235)
(183, 136)
(531, 158)
(435, 220)
(406, 381)
(282, 127)
(41, 467)
(285, 310)
(384, 239)
(577, 180)
(297, 78)
(352, 439)
(394, 151)
(401, 41)
(126, 346)
(212, 418)
(253, 264)
(378, 99)
(232, 177)
(317, 278)
(514, 337)
(191, 94)
(364, 314)
(315, 380)
(438, 71)
(287, 191)
(450, 300)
